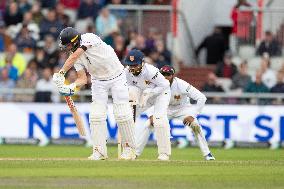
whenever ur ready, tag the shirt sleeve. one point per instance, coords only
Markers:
(155, 77)
(194, 94)
(88, 40)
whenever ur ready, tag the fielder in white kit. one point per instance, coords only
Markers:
(89, 52)
(148, 87)
(180, 108)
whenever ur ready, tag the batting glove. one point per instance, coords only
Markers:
(67, 90)
(58, 79)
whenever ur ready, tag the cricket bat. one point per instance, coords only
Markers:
(77, 118)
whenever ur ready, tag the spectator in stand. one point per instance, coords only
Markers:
(24, 40)
(6, 83)
(71, 4)
(36, 12)
(17, 58)
(241, 21)
(50, 51)
(130, 40)
(40, 58)
(268, 75)
(164, 53)
(279, 86)
(214, 45)
(241, 79)
(32, 26)
(88, 9)
(212, 86)
(5, 40)
(33, 67)
(151, 38)
(140, 44)
(50, 25)
(106, 23)
(12, 70)
(45, 88)
(269, 45)
(13, 16)
(257, 86)
(119, 47)
(24, 6)
(226, 68)
(27, 81)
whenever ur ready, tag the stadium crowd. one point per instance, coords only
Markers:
(29, 52)
(29, 32)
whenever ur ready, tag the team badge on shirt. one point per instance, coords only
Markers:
(147, 82)
(177, 97)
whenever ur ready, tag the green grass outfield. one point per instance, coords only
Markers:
(67, 167)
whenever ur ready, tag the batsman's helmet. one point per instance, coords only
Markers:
(69, 36)
(167, 70)
(134, 57)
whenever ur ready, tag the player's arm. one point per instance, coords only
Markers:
(194, 94)
(159, 80)
(81, 78)
(69, 63)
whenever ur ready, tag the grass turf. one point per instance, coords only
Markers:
(67, 167)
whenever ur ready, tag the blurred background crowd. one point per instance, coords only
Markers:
(29, 53)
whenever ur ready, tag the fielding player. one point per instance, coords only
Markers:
(180, 108)
(88, 51)
(150, 88)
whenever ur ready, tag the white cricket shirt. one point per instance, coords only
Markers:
(99, 59)
(150, 77)
(181, 92)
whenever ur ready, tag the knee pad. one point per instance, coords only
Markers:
(98, 113)
(122, 112)
(124, 118)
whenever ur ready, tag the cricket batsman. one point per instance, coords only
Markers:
(148, 87)
(88, 52)
(180, 108)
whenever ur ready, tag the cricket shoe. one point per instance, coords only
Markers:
(209, 157)
(163, 157)
(128, 154)
(96, 155)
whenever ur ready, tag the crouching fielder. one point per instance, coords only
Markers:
(89, 52)
(180, 108)
(150, 88)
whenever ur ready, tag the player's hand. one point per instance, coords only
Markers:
(58, 79)
(67, 90)
(188, 120)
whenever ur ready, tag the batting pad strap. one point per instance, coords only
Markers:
(162, 132)
(124, 118)
(97, 120)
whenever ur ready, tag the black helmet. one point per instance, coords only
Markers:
(69, 36)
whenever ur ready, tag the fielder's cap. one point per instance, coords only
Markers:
(134, 57)
(167, 70)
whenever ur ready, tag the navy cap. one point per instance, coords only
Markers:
(134, 57)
